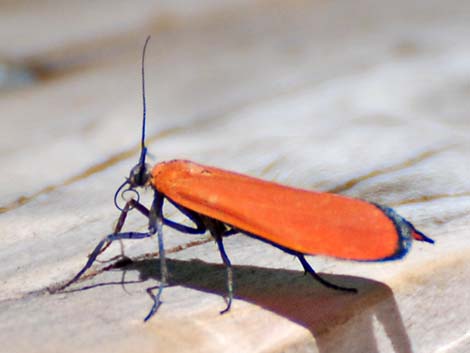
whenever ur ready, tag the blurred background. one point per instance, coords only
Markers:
(275, 74)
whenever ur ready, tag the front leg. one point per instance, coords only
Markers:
(99, 249)
(156, 226)
(131, 204)
(106, 242)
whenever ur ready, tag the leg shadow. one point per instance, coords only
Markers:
(339, 321)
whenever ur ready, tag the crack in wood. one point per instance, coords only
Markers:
(94, 169)
(427, 198)
(406, 164)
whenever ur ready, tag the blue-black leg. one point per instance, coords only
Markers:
(311, 271)
(193, 216)
(229, 274)
(156, 222)
(131, 204)
(156, 227)
(218, 230)
(102, 245)
(98, 249)
(200, 228)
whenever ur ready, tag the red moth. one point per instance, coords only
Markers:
(300, 222)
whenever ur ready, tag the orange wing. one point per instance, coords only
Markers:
(304, 221)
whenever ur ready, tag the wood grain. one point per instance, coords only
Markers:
(368, 99)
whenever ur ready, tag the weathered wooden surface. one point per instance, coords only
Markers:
(369, 99)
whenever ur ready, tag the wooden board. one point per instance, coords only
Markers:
(366, 99)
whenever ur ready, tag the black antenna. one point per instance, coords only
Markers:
(138, 175)
(143, 149)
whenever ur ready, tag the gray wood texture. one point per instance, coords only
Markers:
(369, 99)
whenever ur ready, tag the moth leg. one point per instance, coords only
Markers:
(200, 227)
(229, 273)
(194, 217)
(156, 222)
(311, 271)
(131, 204)
(104, 243)
(156, 227)
(98, 249)
(218, 230)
